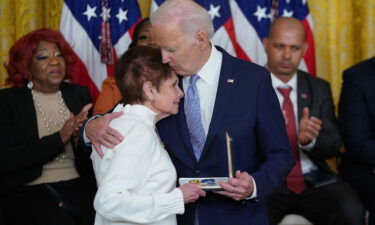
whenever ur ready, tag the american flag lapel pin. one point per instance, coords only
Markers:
(303, 95)
(230, 81)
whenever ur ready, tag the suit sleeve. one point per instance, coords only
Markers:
(355, 120)
(328, 142)
(272, 141)
(84, 140)
(117, 198)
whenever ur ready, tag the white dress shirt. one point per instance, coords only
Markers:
(306, 164)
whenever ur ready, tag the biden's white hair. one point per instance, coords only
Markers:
(188, 15)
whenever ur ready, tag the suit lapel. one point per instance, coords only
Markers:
(69, 100)
(227, 85)
(303, 93)
(31, 121)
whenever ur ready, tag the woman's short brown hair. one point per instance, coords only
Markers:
(136, 66)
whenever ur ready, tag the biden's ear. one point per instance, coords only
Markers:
(202, 38)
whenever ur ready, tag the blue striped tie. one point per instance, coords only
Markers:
(193, 117)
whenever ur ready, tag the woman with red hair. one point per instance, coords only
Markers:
(45, 177)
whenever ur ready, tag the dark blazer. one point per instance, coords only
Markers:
(315, 93)
(249, 110)
(357, 121)
(22, 153)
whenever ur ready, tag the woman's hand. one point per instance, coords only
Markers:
(82, 116)
(191, 192)
(72, 125)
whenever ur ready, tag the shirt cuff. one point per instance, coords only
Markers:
(255, 194)
(309, 146)
(86, 140)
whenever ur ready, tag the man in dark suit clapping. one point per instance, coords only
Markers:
(311, 188)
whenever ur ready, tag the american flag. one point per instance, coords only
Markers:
(99, 31)
(241, 25)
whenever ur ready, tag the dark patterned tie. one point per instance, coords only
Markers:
(295, 180)
(193, 117)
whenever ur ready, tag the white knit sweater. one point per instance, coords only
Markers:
(136, 179)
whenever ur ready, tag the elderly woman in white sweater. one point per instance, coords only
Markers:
(136, 179)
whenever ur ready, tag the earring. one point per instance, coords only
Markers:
(30, 85)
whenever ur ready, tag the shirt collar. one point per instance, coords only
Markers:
(276, 82)
(210, 68)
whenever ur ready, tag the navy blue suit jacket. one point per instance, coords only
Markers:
(249, 110)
